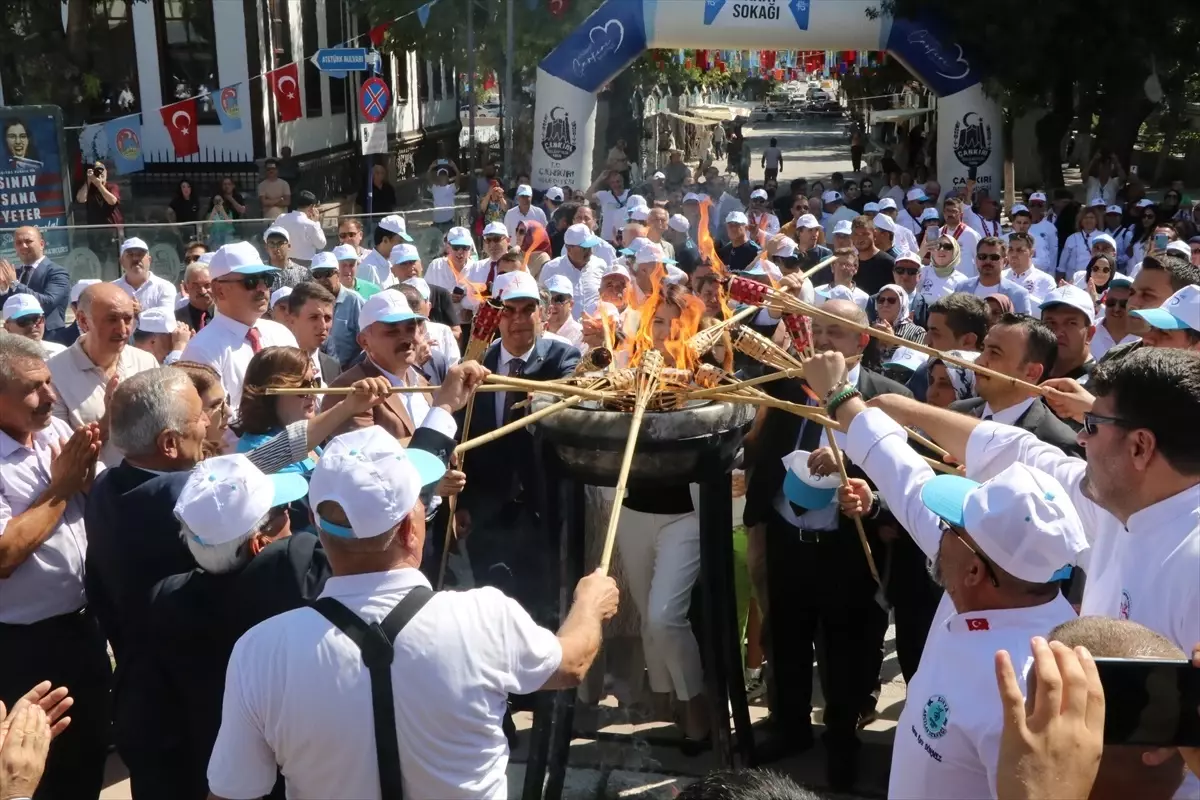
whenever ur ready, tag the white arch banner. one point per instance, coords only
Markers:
(969, 138)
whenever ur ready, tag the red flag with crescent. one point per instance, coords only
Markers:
(285, 83)
(180, 120)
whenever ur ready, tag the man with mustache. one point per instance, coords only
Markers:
(241, 288)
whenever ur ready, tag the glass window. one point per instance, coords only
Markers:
(422, 79)
(187, 52)
(438, 90)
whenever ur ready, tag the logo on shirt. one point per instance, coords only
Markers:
(978, 624)
(1126, 602)
(936, 716)
(558, 134)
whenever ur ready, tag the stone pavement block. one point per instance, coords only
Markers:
(643, 785)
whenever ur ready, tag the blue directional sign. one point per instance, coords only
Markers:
(338, 61)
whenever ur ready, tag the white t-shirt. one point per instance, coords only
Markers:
(933, 288)
(298, 697)
(982, 291)
(1102, 342)
(612, 210)
(860, 297)
(443, 199)
(513, 217)
(374, 268)
(155, 292)
(305, 235)
(1037, 283)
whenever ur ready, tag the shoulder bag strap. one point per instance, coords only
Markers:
(376, 642)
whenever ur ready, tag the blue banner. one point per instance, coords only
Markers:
(124, 136)
(32, 174)
(228, 104)
(943, 67)
(608, 41)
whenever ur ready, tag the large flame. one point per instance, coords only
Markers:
(708, 250)
(675, 347)
(537, 236)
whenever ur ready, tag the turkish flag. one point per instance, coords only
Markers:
(558, 8)
(977, 624)
(379, 33)
(180, 119)
(285, 83)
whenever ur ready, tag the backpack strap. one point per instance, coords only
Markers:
(376, 642)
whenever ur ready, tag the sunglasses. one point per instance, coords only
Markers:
(323, 272)
(29, 322)
(886, 301)
(1092, 422)
(347, 234)
(988, 257)
(493, 239)
(252, 282)
(559, 299)
(987, 565)
(1112, 302)
(461, 248)
(191, 259)
(910, 271)
(275, 244)
(945, 246)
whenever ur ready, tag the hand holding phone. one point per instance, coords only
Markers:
(1150, 702)
(1160, 241)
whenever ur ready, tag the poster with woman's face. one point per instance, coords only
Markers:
(32, 191)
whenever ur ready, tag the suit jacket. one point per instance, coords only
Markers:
(330, 368)
(492, 466)
(435, 368)
(51, 285)
(391, 415)
(1038, 419)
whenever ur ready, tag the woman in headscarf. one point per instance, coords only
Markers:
(535, 244)
(998, 305)
(949, 382)
(1097, 277)
(940, 275)
(894, 316)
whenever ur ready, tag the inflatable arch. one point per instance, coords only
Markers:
(969, 136)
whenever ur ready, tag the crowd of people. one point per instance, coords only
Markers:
(189, 522)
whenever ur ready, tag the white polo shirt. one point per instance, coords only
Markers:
(298, 696)
(305, 235)
(934, 288)
(222, 344)
(374, 267)
(1036, 282)
(586, 281)
(155, 292)
(513, 217)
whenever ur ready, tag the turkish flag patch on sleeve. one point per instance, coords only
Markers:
(977, 624)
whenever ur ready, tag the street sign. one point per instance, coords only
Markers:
(373, 137)
(338, 61)
(374, 99)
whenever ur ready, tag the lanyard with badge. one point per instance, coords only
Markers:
(959, 231)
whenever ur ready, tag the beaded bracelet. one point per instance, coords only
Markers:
(840, 399)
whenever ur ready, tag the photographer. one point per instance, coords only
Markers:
(103, 201)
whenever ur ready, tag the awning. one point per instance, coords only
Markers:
(895, 114)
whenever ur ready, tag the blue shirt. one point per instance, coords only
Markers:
(252, 441)
(342, 343)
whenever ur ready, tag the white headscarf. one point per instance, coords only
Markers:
(904, 315)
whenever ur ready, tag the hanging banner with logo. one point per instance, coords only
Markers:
(180, 120)
(32, 176)
(124, 144)
(229, 108)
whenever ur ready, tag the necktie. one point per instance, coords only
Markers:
(516, 368)
(203, 320)
(255, 339)
(24, 276)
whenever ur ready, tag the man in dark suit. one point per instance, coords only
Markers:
(499, 506)
(820, 590)
(40, 277)
(1024, 348)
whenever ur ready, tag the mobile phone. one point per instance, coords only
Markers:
(458, 290)
(1160, 241)
(1149, 702)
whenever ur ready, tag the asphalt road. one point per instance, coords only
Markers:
(812, 149)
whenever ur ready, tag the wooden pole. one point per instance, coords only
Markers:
(517, 424)
(452, 504)
(348, 390)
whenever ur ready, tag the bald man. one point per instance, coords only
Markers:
(82, 372)
(39, 276)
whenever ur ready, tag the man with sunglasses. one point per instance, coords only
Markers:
(279, 255)
(1116, 327)
(448, 270)
(1174, 325)
(906, 273)
(241, 287)
(350, 232)
(480, 275)
(989, 279)
(23, 316)
(999, 543)
(559, 319)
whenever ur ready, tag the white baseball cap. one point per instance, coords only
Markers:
(636, 200)
(322, 261)
(928, 215)
(524, 190)
(837, 293)
(495, 229)
(1104, 237)
(785, 247)
(459, 237)
(807, 221)
(516, 285)
(134, 243)
(276, 230)
(842, 227)
(77, 289)
(916, 195)
(758, 194)
(639, 213)
(1096, 201)
(21, 305)
(1179, 248)
(831, 197)
(282, 293)
(884, 222)
(679, 223)
(906, 357)
(1037, 197)
(658, 176)
(375, 481)
(736, 218)
(871, 208)
(580, 235)
(1021, 519)
(237, 257)
(205, 258)
(764, 267)
(156, 320)
(691, 197)
(617, 268)
(909, 256)
(676, 275)
(1145, 201)
(224, 497)
(1180, 311)
(554, 194)
(1073, 296)
(388, 306)
(1018, 208)
(421, 285)
(887, 204)
(345, 252)
(394, 223)
(1114, 210)
(559, 284)
(651, 253)
(403, 254)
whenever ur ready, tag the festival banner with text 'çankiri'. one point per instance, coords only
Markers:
(32, 176)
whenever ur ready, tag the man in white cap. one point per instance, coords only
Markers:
(523, 211)
(442, 338)
(448, 270)
(23, 316)
(278, 305)
(389, 232)
(580, 266)
(1021, 270)
(346, 256)
(406, 264)
(840, 236)
(914, 203)
(1175, 324)
(435, 700)
(968, 239)
(342, 343)
(1069, 313)
(835, 211)
(739, 251)
(585, 216)
(1044, 230)
(278, 242)
(762, 222)
(682, 247)
(552, 198)
(442, 188)
(559, 319)
(842, 286)
(241, 287)
(478, 278)
(905, 239)
(304, 228)
(144, 286)
(161, 335)
(616, 288)
(1000, 543)
(885, 234)
(1022, 222)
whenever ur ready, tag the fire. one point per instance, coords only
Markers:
(537, 237)
(675, 346)
(708, 250)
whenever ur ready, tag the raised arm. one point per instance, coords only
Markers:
(596, 599)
